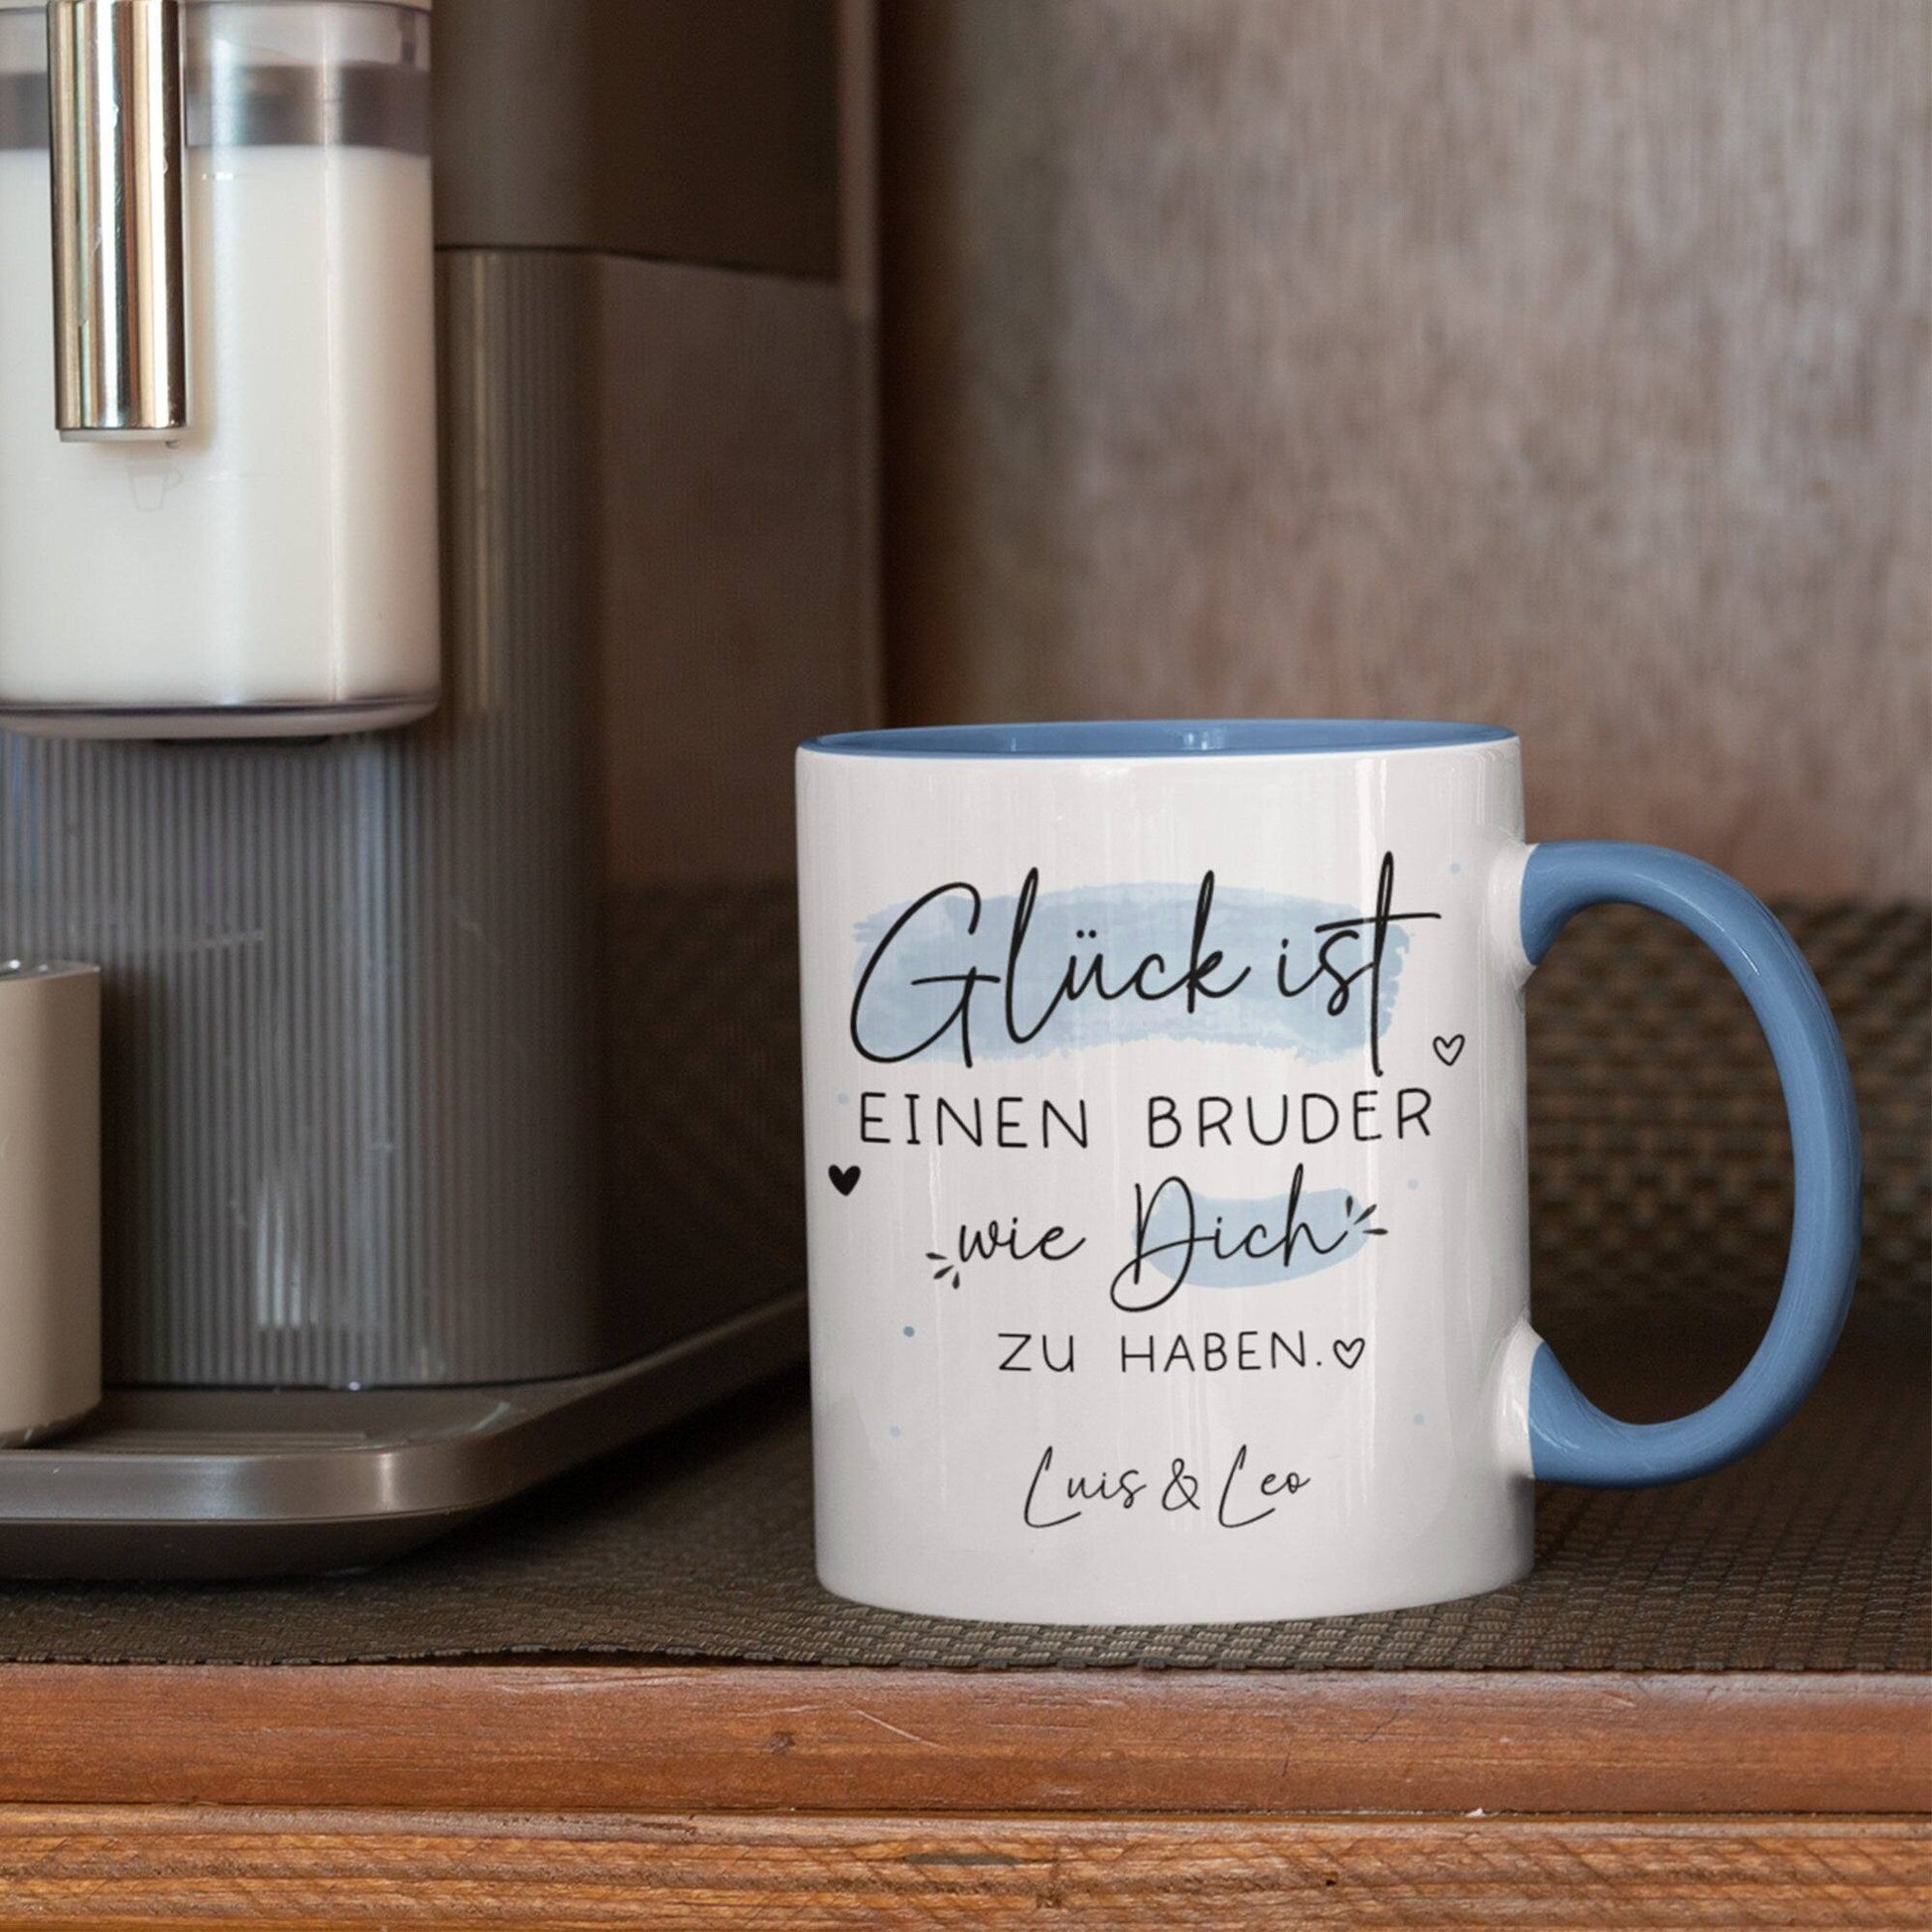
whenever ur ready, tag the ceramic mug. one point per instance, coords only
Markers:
(1169, 1209)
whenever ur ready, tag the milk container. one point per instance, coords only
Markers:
(217, 442)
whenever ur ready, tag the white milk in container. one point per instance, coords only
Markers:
(218, 415)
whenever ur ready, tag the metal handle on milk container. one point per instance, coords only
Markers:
(114, 114)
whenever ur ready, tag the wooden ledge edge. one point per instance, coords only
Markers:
(668, 1737)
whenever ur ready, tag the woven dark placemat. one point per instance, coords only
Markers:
(1659, 1160)
(1662, 1197)
(1809, 1556)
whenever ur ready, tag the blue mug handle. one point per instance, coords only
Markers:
(1571, 1438)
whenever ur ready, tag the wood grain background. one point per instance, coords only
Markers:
(1558, 362)
(174, 1869)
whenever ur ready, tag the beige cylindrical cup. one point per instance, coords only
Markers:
(49, 1198)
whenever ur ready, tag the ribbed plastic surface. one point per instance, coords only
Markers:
(351, 1052)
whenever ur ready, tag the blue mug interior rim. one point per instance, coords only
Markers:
(1161, 738)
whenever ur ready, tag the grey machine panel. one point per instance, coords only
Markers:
(681, 130)
(351, 1016)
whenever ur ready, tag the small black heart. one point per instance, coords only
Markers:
(1348, 1353)
(844, 1178)
(1448, 1050)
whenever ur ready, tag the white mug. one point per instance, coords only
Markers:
(1165, 1133)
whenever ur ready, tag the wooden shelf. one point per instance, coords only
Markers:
(578, 1792)
(515, 1736)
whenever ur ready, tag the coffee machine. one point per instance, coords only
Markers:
(448, 1049)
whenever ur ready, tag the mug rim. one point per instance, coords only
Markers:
(1113, 739)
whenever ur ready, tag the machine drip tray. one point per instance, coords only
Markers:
(257, 1482)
